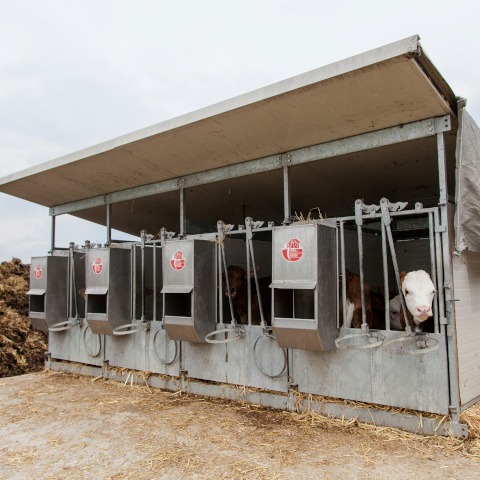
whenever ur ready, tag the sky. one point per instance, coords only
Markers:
(75, 74)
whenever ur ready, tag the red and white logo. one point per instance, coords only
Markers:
(97, 266)
(177, 261)
(38, 272)
(292, 250)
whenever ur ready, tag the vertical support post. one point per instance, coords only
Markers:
(249, 278)
(134, 282)
(344, 277)
(385, 277)
(359, 222)
(143, 235)
(109, 223)
(183, 220)
(52, 235)
(287, 201)
(448, 282)
(154, 253)
(431, 238)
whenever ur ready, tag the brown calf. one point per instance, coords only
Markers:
(237, 280)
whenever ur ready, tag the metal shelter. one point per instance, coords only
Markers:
(339, 140)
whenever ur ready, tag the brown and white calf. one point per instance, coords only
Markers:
(237, 280)
(419, 291)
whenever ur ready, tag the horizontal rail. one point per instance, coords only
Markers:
(357, 143)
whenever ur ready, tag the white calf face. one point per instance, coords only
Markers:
(396, 313)
(419, 291)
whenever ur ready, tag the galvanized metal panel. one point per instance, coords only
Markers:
(205, 361)
(48, 301)
(237, 362)
(246, 358)
(466, 276)
(108, 287)
(128, 351)
(189, 313)
(163, 354)
(77, 344)
(305, 254)
(417, 382)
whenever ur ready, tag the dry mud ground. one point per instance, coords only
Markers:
(62, 426)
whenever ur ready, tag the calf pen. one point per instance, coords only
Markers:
(364, 166)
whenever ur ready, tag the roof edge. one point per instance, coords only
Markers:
(409, 47)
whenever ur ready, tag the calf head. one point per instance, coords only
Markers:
(418, 290)
(397, 320)
(236, 280)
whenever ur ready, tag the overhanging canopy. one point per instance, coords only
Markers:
(390, 86)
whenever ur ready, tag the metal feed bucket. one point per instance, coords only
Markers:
(304, 286)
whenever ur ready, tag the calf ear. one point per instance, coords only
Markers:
(252, 274)
(402, 278)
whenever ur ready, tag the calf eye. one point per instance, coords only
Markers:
(406, 292)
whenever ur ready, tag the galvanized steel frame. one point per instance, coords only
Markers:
(439, 247)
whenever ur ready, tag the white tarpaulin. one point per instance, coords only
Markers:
(467, 219)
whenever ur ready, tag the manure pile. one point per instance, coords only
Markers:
(22, 349)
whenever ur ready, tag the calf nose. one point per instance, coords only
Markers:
(424, 310)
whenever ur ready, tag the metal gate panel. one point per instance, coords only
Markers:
(246, 357)
(127, 351)
(77, 344)
(205, 361)
(163, 354)
(234, 362)
(419, 382)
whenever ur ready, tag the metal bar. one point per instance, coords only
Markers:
(109, 223)
(142, 253)
(70, 287)
(359, 222)
(248, 234)
(393, 214)
(439, 257)
(344, 278)
(257, 285)
(220, 283)
(134, 282)
(357, 143)
(431, 239)
(385, 278)
(182, 213)
(52, 235)
(224, 261)
(154, 266)
(287, 201)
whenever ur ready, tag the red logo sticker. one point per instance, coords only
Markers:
(292, 251)
(38, 272)
(178, 260)
(97, 266)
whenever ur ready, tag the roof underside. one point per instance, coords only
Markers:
(389, 86)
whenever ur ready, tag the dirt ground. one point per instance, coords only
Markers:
(63, 426)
